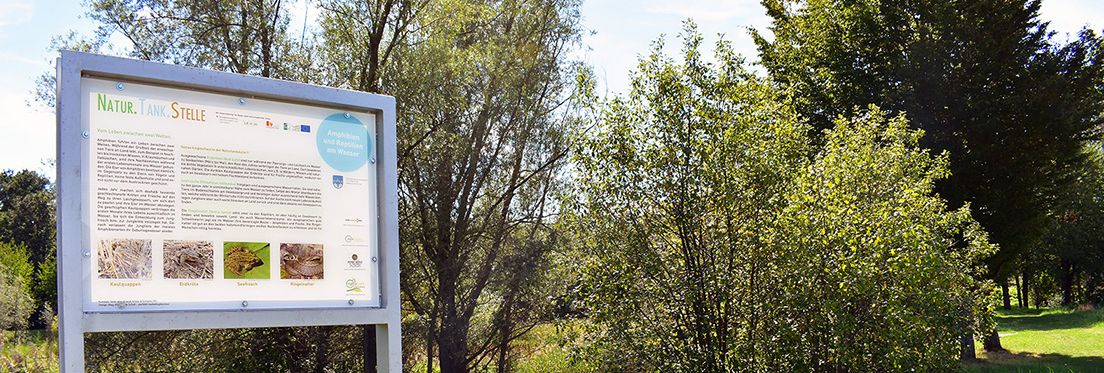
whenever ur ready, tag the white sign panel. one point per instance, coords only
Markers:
(195, 199)
(199, 200)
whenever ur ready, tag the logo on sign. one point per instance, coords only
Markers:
(338, 181)
(355, 262)
(354, 286)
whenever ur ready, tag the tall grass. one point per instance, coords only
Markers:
(28, 351)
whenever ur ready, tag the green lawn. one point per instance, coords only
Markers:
(1048, 340)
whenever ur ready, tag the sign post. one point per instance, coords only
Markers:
(196, 199)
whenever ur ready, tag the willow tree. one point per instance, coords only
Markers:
(481, 89)
(717, 235)
(245, 37)
(360, 36)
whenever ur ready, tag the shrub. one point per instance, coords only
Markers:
(719, 237)
(16, 303)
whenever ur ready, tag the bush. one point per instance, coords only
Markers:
(16, 303)
(719, 237)
(44, 290)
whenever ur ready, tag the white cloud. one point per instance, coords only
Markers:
(13, 13)
(707, 10)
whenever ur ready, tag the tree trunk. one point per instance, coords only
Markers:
(1067, 282)
(992, 342)
(452, 336)
(452, 345)
(966, 342)
(1004, 291)
(504, 327)
(1026, 290)
(503, 357)
(430, 338)
(1038, 298)
(1019, 291)
(1076, 290)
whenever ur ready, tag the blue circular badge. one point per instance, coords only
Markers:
(343, 142)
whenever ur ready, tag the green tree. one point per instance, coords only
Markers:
(1072, 248)
(482, 143)
(245, 37)
(44, 284)
(984, 79)
(479, 85)
(361, 36)
(713, 241)
(27, 221)
(27, 212)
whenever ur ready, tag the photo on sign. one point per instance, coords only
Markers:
(189, 259)
(125, 259)
(246, 260)
(301, 261)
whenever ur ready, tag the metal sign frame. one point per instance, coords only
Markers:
(73, 229)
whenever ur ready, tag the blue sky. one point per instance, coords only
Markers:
(622, 30)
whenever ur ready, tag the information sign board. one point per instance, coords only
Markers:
(201, 200)
(190, 199)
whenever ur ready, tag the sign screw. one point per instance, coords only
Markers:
(373, 259)
(372, 160)
(350, 302)
(119, 86)
(87, 254)
(347, 116)
(245, 303)
(241, 101)
(84, 134)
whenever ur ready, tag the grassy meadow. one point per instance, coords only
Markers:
(1047, 340)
